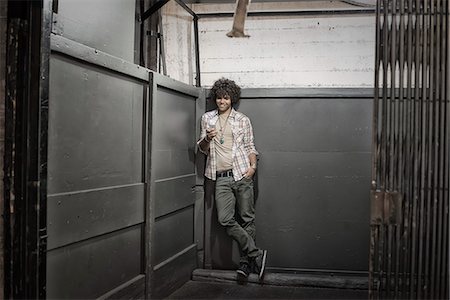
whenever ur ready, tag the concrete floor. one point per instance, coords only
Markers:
(225, 290)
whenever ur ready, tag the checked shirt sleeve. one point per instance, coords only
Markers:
(203, 125)
(249, 144)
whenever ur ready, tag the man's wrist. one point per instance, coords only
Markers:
(206, 139)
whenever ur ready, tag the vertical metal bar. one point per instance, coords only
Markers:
(421, 138)
(197, 54)
(376, 102)
(415, 148)
(12, 82)
(383, 171)
(162, 48)
(146, 180)
(408, 160)
(392, 98)
(374, 228)
(439, 161)
(442, 236)
(400, 227)
(433, 167)
(384, 131)
(150, 205)
(44, 87)
(446, 92)
(428, 143)
(391, 138)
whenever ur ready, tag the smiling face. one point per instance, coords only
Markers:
(223, 104)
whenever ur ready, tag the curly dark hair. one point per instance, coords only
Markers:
(224, 87)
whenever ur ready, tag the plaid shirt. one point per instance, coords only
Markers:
(243, 144)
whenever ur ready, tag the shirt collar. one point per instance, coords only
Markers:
(232, 113)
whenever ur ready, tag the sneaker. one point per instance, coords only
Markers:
(260, 263)
(244, 269)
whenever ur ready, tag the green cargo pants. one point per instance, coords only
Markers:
(237, 196)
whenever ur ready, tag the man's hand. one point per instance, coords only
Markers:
(210, 134)
(250, 172)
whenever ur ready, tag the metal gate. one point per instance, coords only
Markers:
(410, 200)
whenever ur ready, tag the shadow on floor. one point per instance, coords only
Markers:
(213, 290)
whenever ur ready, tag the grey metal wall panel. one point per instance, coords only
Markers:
(315, 219)
(172, 184)
(172, 234)
(95, 128)
(174, 134)
(313, 180)
(164, 280)
(90, 269)
(77, 216)
(173, 162)
(174, 194)
(178, 130)
(107, 25)
(317, 124)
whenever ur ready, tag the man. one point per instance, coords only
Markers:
(227, 140)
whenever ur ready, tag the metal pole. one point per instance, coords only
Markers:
(415, 148)
(433, 168)
(401, 129)
(422, 151)
(446, 93)
(374, 228)
(291, 13)
(427, 144)
(383, 176)
(408, 156)
(441, 37)
(391, 141)
(197, 54)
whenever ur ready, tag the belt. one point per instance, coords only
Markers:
(228, 173)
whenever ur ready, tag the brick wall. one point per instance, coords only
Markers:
(300, 51)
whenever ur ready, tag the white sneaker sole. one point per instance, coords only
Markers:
(242, 273)
(263, 264)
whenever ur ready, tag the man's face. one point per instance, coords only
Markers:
(223, 103)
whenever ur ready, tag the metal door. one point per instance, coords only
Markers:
(410, 200)
(173, 178)
(121, 172)
(96, 142)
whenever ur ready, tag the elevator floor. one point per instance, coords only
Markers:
(215, 290)
(224, 284)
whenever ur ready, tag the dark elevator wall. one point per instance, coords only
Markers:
(96, 189)
(312, 210)
(122, 176)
